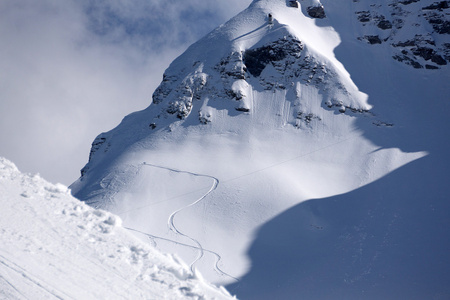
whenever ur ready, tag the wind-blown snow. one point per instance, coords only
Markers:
(56, 247)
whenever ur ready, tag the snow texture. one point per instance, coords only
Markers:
(56, 247)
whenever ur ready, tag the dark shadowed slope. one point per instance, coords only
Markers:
(388, 240)
(391, 238)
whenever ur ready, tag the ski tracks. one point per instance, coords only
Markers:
(35, 281)
(174, 228)
(217, 255)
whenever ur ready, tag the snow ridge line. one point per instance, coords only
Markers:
(217, 255)
(170, 221)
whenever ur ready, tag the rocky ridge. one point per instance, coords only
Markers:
(417, 30)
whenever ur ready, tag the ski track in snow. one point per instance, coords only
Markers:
(23, 273)
(2, 293)
(171, 223)
(217, 255)
(258, 32)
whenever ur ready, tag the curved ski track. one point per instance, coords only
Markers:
(217, 255)
(170, 221)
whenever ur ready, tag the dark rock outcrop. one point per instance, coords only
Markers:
(428, 53)
(384, 24)
(307, 117)
(293, 3)
(440, 26)
(372, 39)
(317, 12)
(363, 16)
(256, 60)
(430, 67)
(409, 61)
(437, 6)
(406, 2)
(425, 46)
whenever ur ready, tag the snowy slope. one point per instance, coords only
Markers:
(258, 117)
(56, 247)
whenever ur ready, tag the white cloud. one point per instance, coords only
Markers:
(72, 69)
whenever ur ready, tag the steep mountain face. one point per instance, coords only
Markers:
(262, 114)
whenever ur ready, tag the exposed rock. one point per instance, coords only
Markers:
(163, 89)
(398, 23)
(409, 61)
(180, 108)
(293, 3)
(84, 170)
(446, 50)
(234, 95)
(96, 145)
(256, 60)
(418, 41)
(307, 117)
(289, 63)
(437, 17)
(425, 45)
(204, 118)
(334, 103)
(384, 24)
(363, 16)
(317, 12)
(437, 6)
(406, 2)
(232, 66)
(243, 109)
(407, 43)
(431, 67)
(373, 39)
(442, 27)
(437, 59)
(382, 124)
(427, 54)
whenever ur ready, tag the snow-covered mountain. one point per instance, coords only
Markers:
(55, 247)
(288, 102)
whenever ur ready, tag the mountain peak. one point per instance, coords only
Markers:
(254, 118)
(248, 55)
(250, 50)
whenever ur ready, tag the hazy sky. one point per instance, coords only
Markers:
(71, 69)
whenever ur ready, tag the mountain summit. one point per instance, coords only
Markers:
(290, 56)
(269, 110)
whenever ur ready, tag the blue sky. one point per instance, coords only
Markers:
(73, 69)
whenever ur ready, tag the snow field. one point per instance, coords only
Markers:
(53, 246)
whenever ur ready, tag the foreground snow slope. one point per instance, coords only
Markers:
(54, 246)
(258, 118)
